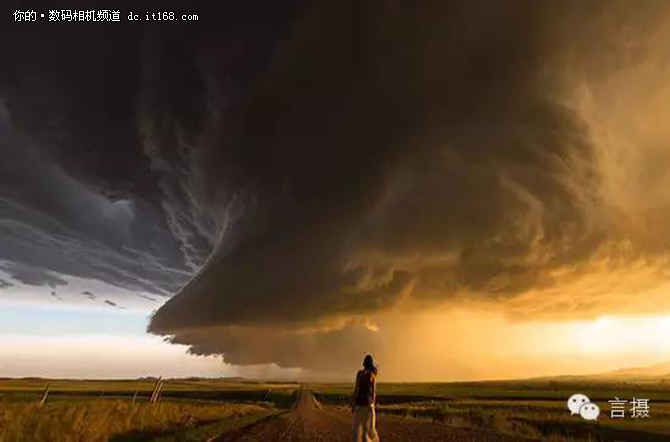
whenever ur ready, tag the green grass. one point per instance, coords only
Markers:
(518, 390)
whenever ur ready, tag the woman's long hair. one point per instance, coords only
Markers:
(369, 364)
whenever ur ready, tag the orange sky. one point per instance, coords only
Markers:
(446, 344)
(472, 345)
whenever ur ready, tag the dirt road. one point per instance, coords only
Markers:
(308, 421)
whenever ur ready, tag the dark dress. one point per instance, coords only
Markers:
(363, 407)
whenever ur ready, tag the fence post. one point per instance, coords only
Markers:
(45, 395)
(160, 392)
(157, 389)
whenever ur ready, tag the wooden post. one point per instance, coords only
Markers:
(45, 395)
(160, 392)
(157, 389)
(153, 393)
(134, 396)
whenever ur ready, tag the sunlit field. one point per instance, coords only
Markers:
(198, 410)
(102, 420)
(533, 409)
(120, 411)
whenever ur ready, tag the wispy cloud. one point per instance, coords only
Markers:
(89, 295)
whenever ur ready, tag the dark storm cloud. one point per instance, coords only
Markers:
(423, 151)
(79, 196)
(431, 151)
(30, 275)
(51, 223)
(325, 351)
(312, 161)
(5, 284)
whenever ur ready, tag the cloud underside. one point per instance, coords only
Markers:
(349, 160)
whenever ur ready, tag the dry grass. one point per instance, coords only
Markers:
(543, 420)
(530, 422)
(102, 420)
(534, 409)
(142, 385)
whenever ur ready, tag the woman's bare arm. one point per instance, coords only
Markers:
(374, 390)
(355, 394)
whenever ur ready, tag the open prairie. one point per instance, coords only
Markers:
(203, 410)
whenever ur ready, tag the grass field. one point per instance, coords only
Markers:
(194, 410)
(531, 409)
(102, 420)
(526, 389)
(105, 410)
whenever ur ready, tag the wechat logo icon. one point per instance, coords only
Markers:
(580, 404)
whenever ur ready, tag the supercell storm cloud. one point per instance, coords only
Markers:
(289, 171)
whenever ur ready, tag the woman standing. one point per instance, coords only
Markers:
(363, 403)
